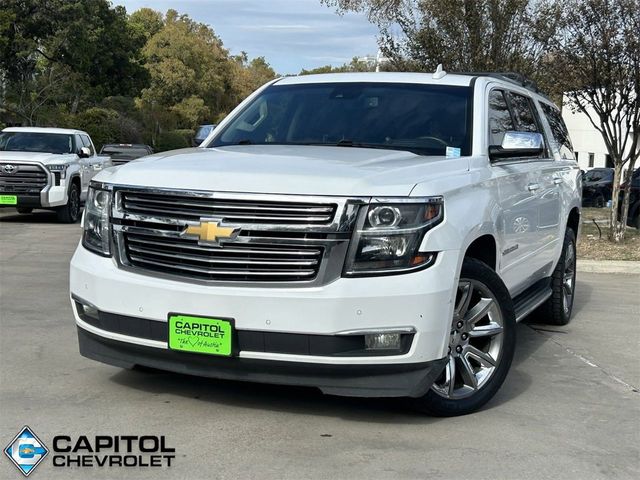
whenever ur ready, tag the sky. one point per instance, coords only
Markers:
(290, 34)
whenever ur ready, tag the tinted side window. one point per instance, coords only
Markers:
(523, 113)
(499, 117)
(87, 143)
(559, 131)
(78, 142)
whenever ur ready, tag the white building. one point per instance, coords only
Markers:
(587, 141)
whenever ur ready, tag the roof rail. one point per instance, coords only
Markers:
(512, 77)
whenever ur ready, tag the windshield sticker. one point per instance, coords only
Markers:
(452, 152)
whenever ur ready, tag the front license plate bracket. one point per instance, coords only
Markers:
(204, 335)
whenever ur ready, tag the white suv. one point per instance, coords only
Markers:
(47, 168)
(368, 234)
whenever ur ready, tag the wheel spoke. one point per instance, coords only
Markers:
(479, 310)
(465, 298)
(484, 358)
(485, 330)
(467, 373)
(568, 287)
(450, 384)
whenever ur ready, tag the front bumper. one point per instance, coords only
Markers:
(48, 197)
(395, 380)
(24, 200)
(421, 302)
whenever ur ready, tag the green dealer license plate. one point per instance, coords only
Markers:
(200, 334)
(8, 200)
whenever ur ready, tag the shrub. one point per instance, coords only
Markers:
(171, 140)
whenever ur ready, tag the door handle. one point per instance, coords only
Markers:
(557, 180)
(532, 187)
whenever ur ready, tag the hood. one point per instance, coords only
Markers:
(26, 157)
(286, 169)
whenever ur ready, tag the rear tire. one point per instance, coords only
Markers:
(557, 309)
(24, 210)
(599, 201)
(481, 345)
(70, 213)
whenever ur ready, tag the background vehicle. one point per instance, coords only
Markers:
(597, 186)
(369, 234)
(202, 132)
(633, 219)
(47, 168)
(125, 152)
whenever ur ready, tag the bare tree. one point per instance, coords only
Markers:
(598, 56)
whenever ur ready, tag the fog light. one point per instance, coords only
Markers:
(382, 341)
(90, 311)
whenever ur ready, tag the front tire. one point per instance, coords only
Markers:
(481, 345)
(24, 210)
(70, 213)
(557, 309)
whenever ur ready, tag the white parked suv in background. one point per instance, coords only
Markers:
(47, 168)
(367, 234)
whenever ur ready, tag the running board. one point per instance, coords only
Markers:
(532, 298)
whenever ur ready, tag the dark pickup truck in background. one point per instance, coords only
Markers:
(125, 152)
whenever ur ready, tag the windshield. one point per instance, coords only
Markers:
(36, 142)
(425, 119)
(598, 175)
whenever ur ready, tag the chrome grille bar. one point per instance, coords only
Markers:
(189, 208)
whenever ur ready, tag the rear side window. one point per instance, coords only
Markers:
(523, 113)
(559, 131)
(499, 117)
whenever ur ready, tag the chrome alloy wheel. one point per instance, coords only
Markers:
(568, 277)
(475, 343)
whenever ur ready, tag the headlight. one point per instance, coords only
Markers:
(95, 236)
(389, 235)
(61, 169)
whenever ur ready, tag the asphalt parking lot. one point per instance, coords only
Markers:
(570, 407)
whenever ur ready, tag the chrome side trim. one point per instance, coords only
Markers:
(373, 331)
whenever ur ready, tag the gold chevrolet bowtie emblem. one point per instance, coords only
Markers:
(210, 232)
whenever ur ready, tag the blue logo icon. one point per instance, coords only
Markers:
(26, 451)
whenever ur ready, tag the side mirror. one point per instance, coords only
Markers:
(84, 152)
(518, 145)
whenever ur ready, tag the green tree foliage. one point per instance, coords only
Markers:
(123, 78)
(146, 22)
(355, 65)
(87, 41)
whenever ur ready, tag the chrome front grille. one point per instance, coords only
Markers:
(285, 240)
(232, 210)
(242, 262)
(22, 178)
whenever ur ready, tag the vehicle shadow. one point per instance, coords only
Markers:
(37, 216)
(310, 401)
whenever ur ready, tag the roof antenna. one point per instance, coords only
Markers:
(439, 73)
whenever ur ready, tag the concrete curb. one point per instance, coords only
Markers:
(608, 266)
